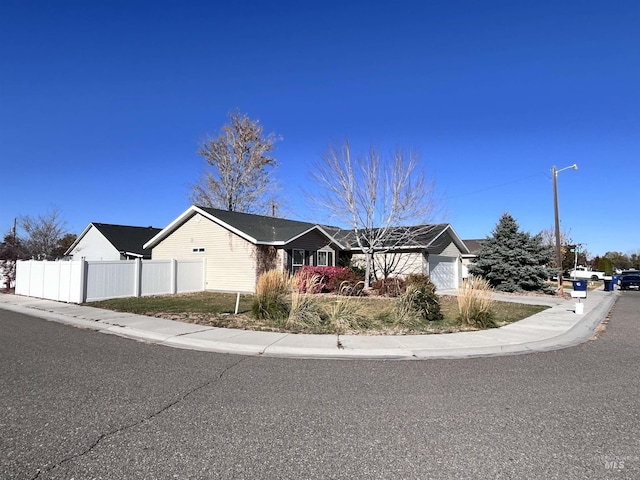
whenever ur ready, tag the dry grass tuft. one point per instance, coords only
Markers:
(270, 300)
(475, 302)
(344, 312)
(305, 310)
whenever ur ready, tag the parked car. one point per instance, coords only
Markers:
(583, 273)
(628, 279)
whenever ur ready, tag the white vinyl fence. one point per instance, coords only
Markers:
(82, 281)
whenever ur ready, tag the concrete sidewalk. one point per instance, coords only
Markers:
(555, 328)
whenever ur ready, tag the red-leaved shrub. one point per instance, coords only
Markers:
(332, 278)
(390, 286)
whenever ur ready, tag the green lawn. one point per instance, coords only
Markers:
(217, 309)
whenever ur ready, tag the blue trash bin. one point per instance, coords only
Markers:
(614, 281)
(579, 285)
(608, 285)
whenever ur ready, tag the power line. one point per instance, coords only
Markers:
(493, 187)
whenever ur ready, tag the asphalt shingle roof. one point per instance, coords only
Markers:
(262, 228)
(126, 238)
(419, 235)
(474, 245)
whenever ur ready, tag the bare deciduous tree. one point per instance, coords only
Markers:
(386, 201)
(43, 234)
(240, 178)
(567, 248)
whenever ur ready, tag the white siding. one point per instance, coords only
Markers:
(94, 246)
(404, 263)
(230, 260)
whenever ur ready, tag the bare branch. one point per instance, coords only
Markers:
(241, 175)
(386, 201)
(43, 233)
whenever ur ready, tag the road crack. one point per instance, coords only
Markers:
(131, 425)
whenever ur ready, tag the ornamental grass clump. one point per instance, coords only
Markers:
(474, 303)
(344, 313)
(271, 296)
(305, 311)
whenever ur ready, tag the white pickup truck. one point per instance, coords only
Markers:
(585, 274)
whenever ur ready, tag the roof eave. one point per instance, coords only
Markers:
(193, 209)
(77, 241)
(321, 230)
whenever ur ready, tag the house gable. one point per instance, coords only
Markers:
(308, 245)
(105, 241)
(93, 245)
(230, 259)
(256, 229)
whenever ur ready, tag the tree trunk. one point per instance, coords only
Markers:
(367, 273)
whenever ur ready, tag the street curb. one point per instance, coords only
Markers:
(580, 332)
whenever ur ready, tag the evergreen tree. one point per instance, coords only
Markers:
(11, 249)
(513, 261)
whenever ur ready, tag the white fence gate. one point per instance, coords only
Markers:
(86, 281)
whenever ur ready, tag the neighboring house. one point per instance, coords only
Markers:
(103, 241)
(238, 247)
(474, 246)
(433, 250)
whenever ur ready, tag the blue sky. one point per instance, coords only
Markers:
(103, 104)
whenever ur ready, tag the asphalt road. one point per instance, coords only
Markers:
(76, 404)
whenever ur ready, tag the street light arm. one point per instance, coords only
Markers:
(574, 167)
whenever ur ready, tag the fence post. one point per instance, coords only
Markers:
(28, 278)
(59, 295)
(83, 280)
(138, 277)
(44, 276)
(173, 276)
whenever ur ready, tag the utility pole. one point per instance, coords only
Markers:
(554, 173)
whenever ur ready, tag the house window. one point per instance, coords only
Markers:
(297, 260)
(198, 250)
(325, 259)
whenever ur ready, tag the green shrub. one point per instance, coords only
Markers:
(474, 303)
(421, 281)
(422, 301)
(606, 266)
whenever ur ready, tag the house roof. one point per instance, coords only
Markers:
(474, 245)
(421, 237)
(126, 239)
(257, 229)
(263, 230)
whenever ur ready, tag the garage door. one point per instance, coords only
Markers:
(443, 271)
